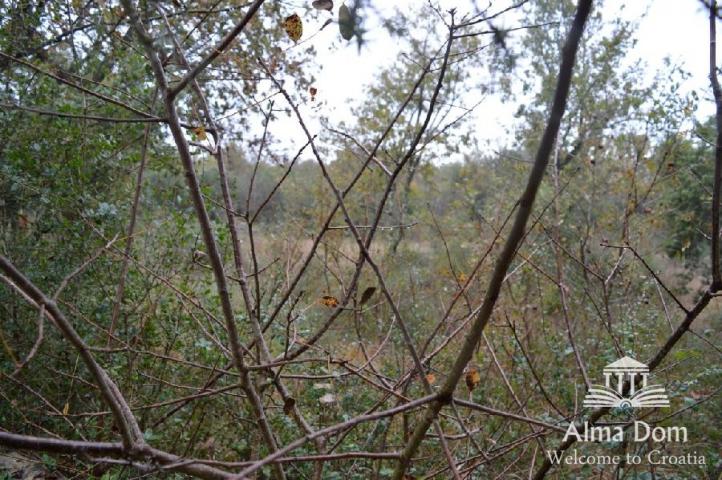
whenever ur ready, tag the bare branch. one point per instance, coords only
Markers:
(526, 203)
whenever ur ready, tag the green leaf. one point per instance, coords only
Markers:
(345, 23)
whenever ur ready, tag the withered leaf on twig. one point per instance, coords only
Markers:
(473, 377)
(293, 25)
(329, 301)
(200, 133)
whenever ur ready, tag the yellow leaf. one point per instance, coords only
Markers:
(293, 27)
(473, 377)
(329, 301)
(66, 408)
(200, 132)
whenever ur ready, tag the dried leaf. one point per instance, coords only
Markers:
(329, 301)
(200, 132)
(288, 405)
(368, 293)
(431, 378)
(293, 27)
(472, 378)
(345, 22)
(313, 91)
(66, 409)
(323, 5)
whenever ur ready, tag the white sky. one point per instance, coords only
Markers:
(677, 29)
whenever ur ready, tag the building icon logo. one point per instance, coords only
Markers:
(629, 370)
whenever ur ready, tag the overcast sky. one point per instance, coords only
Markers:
(677, 29)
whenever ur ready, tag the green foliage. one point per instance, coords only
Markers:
(689, 198)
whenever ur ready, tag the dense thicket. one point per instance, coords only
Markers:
(188, 290)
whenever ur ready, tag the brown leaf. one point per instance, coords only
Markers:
(288, 405)
(472, 378)
(313, 91)
(329, 301)
(293, 27)
(431, 378)
(368, 293)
